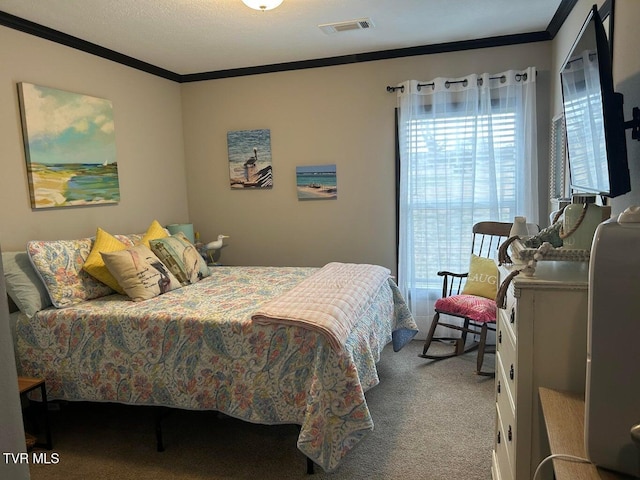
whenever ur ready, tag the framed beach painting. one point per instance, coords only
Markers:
(70, 147)
(316, 182)
(250, 159)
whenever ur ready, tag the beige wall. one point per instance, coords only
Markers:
(149, 140)
(339, 115)
(626, 75)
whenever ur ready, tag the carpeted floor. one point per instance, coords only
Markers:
(433, 421)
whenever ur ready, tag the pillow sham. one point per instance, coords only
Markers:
(483, 278)
(181, 257)
(94, 265)
(140, 273)
(59, 263)
(23, 284)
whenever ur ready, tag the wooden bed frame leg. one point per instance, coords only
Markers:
(310, 466)
(310, 463)
(159, 442)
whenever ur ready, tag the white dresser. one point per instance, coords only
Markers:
(541, 341)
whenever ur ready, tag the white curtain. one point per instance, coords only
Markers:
(467, 154)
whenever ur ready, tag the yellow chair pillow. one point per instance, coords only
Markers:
(94, 265)
(483, 278)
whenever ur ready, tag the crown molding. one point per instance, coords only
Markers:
(17, 23)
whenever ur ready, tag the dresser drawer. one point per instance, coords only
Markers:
(505, 328)
(506, 353)
(501, 450)
(504, 394)
(509, 320)
(509, 436)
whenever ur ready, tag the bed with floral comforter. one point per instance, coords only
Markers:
(197, 348)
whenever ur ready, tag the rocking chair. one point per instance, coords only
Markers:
(478, 313)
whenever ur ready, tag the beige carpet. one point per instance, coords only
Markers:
(433, 421)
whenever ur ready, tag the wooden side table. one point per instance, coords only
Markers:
(26, 385)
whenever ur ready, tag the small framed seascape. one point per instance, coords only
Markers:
(70, 148)
(250, 159)
(316, 182)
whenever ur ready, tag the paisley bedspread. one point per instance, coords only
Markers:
(197, 348)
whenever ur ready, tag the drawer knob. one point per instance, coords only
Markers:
(498, 439)
(511, 372)
(498, 387)
(510, 434)
(512, 318)
(500, 336)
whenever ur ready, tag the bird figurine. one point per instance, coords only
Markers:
(211, 248)
(217, 244)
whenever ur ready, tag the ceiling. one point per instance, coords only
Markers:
(187, 37)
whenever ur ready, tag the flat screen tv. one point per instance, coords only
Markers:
(593, 114)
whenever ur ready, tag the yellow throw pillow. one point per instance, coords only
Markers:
(94, 265)
(154, 232)
(483, 278)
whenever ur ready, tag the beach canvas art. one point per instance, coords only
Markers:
(316, 182)
(70, 147)
(250, 159)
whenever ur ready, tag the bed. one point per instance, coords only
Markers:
(201, 347)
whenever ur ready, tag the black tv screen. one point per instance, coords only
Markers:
(593, 115)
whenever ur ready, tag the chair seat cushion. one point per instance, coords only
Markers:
(478, 309)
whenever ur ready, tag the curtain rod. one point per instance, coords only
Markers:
(502, 78)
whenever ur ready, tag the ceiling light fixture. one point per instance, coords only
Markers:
(262, 4)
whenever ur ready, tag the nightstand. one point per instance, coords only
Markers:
(26, 385)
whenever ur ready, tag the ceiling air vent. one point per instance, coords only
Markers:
(337, 27)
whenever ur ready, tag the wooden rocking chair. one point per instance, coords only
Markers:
(478, 313)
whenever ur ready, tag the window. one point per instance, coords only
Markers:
(461, 160)
(467, 153)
